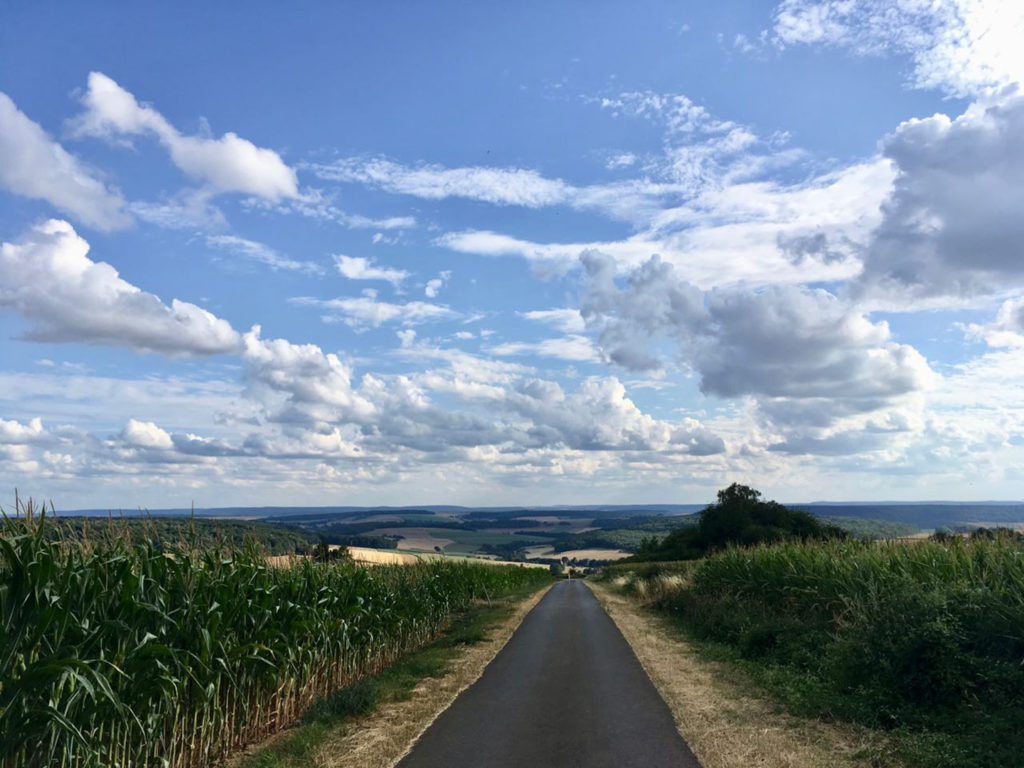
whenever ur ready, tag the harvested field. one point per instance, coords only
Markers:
(381, 556)
(414, 538)
(547, 550)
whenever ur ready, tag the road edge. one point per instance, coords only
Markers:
(383, 738)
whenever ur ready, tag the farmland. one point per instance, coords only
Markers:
(119, 651)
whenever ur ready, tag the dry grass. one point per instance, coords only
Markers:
(725, 724)
(383, 738)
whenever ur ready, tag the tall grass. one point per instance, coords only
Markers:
(920, 638)
(116, 652)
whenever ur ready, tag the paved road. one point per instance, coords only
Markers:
(565, 691)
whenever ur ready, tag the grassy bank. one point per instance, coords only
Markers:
(119, 652)
(922, 640)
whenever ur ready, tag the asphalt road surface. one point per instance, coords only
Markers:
(565, 691)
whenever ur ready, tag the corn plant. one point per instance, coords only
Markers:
(116, 652)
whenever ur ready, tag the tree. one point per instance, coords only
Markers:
(740, 517)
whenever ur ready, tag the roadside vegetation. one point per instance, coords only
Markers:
(922, 640)
(333, 716)
(117, 651)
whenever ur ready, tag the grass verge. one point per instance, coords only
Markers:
(317, 740)
(727, 720)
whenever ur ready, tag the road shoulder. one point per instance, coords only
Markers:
(724, 724)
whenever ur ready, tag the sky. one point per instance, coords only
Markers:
(490, 253)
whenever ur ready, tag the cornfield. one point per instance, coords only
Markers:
(923, 637)
(119, 653)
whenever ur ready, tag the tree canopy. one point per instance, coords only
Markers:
(740, 517)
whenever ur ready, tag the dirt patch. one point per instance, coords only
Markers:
(380, 740)
(726, 726)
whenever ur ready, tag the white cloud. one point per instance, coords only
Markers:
(964, 47)
(434, 286)
(501, 186)
(227, 164)
(805, 356)
(359, 268)
(620, 160)
(49, 279)
(735, 233)
(34, 165)
(653, 304)
(16, 433)
(954, 223)
(146, 434)
(565, 320)
(599, 416)
(1007, 330)
(261, 253)
(575, 348)
(304, 374)
(367, 312)
(317, 204)
(188, 209)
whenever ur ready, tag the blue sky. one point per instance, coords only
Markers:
(489, 253)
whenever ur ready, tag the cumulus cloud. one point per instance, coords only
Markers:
(146, 434)
(226, 164)
(802, 353)
(599, 416)
(16, 433)
(799, 343)
(34, 165)
(1007, 330)
(359, 268)
(49, 279)
(303, 373)
(367, 311)
(954, 223)
(653, 304)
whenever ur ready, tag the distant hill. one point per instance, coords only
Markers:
(925, 515)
